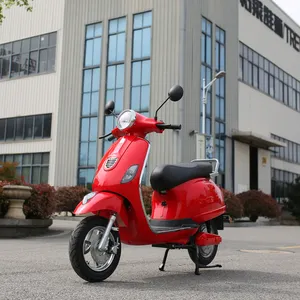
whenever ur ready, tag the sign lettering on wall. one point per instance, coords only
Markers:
(272, 21)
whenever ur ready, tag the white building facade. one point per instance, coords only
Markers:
(61, 63)
(269, 96)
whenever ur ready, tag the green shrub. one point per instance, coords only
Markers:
(293, 205)
(41, 204)
(67, 198)
(234, 206)
(258, 204)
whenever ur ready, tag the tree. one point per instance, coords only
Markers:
(293, 204)
(8, 171)
(9, 3)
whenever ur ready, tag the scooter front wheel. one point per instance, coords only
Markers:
(87, 261)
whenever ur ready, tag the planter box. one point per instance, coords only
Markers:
(16, 195)
(14, 228)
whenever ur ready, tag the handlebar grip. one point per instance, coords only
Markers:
(175, 127)
(111, 138)
(168, 126)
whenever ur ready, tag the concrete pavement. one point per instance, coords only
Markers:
(39, 268)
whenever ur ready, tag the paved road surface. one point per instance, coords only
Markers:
(38, 268)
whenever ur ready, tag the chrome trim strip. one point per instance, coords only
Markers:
(173, 230)
(140, 183)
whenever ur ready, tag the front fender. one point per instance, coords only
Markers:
(103, 201)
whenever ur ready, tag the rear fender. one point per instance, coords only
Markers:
(101, 203)
(207, 239)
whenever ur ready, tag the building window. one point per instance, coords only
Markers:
(220, 112)
(141, 63)
(33, 167)
(115, 72)
(25, 128)
(90, 105)
(206, 68)
(291, 153)
(280, 181)
(28, 56)
(262, 74)
(141, 66)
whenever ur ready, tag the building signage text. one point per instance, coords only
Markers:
(273, 22)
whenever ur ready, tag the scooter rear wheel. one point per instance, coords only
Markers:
(206, 253)
(102, 264)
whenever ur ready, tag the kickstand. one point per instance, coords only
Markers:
(197, 266)
(209, 267)
(162, 266)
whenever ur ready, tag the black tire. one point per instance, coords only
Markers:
(253, 218)
(76, 250)
(205, 261)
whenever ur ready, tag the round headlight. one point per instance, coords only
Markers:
(126, 119)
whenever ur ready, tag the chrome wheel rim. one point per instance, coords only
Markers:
(206, 251)
(95, 259)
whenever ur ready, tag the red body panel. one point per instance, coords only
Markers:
(199, 199)
(104, 202)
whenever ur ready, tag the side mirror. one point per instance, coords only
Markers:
(175, 93)
(109, 107)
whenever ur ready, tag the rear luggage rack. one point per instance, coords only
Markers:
(215, 170)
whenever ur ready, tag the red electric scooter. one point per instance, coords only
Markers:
(187, 206)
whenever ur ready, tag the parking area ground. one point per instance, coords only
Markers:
(258, 263)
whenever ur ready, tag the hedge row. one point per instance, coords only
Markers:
(45, 201)
(40, 205)
(251, 204)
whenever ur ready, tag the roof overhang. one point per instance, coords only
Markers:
(256, 140)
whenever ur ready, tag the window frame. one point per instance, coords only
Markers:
(273, 81)
(280, 180)
(89, 169)
(22, 165)
(33, 137)
(106, 144)
(27, 54)
(220, 123)
(290, 153)
(208, 67)
(141, 60)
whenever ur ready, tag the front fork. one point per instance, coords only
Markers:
(104, 240)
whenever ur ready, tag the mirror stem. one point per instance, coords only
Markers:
(155, 118)
(112, 114)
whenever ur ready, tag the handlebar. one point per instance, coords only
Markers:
(104, 136)
(168, 126)
(160, 126)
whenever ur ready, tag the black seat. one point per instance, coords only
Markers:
(166, 177)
